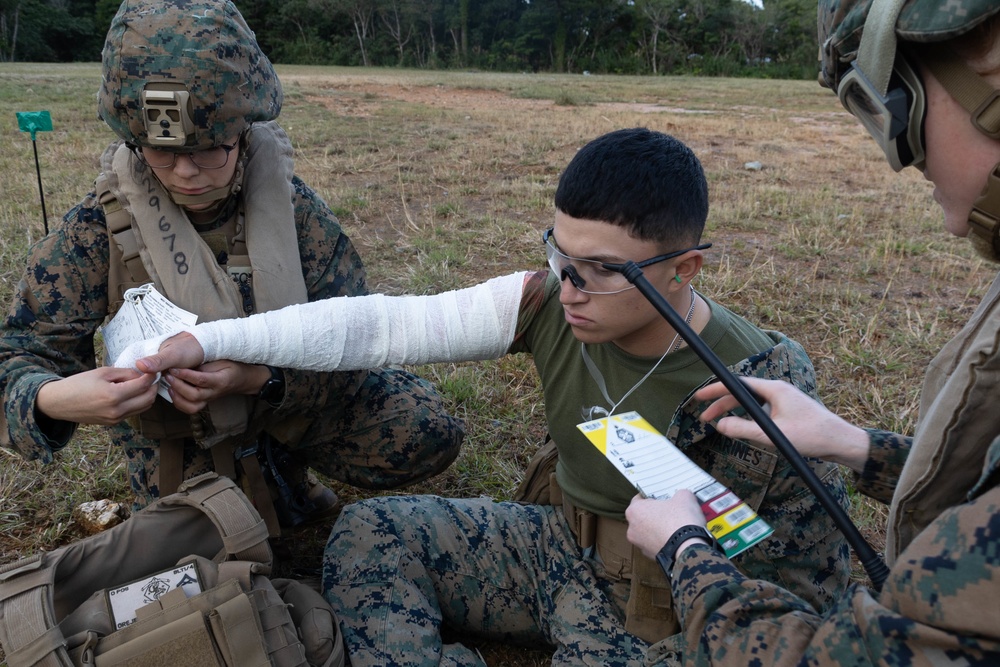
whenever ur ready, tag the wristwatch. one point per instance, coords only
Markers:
(667, 556)
(273, 391)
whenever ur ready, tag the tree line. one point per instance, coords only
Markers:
(708, 37)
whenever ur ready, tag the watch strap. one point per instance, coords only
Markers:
(667, 556)
(273, 390)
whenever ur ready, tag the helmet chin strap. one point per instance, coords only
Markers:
(217, 195)
(984, 220)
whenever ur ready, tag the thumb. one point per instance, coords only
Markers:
(138, 350)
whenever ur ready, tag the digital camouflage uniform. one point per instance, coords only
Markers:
(398, 570)
(940, 604)
(375, 429)
(381, 428)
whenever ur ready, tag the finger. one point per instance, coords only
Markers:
(191, 377)
(186, 391)
(180, 351)
(186, 405)
(711, 391)
(719, 408)
(138, 383)
(112, 374)
(216, 366)
(741, 429)
(160, 362)
(684, 495)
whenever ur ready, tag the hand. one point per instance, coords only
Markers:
(810, 427)
(652, 522)
(180, 351)
(191, 390)
(102, 396)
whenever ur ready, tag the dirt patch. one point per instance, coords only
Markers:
(365, 99)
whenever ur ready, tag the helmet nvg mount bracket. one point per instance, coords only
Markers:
(165, 113)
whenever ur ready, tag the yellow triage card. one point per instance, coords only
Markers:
(657, 469)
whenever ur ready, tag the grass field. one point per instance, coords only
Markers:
(445, 179)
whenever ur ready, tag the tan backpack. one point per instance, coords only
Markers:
(183, 582)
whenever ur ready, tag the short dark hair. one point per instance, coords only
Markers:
(645, 181)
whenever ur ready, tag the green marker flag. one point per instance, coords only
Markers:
(36, 121)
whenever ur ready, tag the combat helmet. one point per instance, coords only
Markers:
(867, 49)
(184, 75)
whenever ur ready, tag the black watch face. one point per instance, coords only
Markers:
(272, 391)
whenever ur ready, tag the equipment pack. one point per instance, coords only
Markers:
(185, 581)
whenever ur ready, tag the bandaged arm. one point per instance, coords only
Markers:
(350, 333)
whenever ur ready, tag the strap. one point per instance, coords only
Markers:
(171, 469)
(582, 523)
(649, 612)
(30, 632)
(974, 93)
(224, 459)
(240, 570)
(877, 51)
(261, 494)
(48, 648)
(125, 267)
(232, 513)
(235, 621)
(984, 218)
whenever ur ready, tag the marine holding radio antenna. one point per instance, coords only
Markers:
(199, 197)
(925, 82)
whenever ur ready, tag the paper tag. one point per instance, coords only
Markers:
(125, 600)
(658, 469)
(145, 314)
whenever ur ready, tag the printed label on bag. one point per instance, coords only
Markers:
(125, 600)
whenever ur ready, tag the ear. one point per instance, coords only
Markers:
(689, 266)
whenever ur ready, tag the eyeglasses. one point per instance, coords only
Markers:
(210, 158)
(895, 120)
(594, 277)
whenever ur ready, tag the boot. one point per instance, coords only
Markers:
(298, 495)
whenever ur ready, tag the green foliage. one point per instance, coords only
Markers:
(702, 37)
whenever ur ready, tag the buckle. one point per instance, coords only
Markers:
(197, 480)
(249, 449)
(982, 110)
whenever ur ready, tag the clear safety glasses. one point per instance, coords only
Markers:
(210, 158)
(594, 277)
(895, 120)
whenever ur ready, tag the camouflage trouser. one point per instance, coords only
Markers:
(398, 570)
(392, 431)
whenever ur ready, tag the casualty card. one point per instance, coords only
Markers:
(657, 469)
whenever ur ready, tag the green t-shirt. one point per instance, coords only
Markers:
(571, 393)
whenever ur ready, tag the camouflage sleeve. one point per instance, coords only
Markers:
(48, 332)
(887, 454)
(332, 267)
(938, 605)
(806, 554)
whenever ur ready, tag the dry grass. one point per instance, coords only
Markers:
(446, 179)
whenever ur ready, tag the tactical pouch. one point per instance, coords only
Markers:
(65, 607)
(535, 486)
(649, 613)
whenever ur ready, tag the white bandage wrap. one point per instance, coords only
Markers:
(351, 333)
